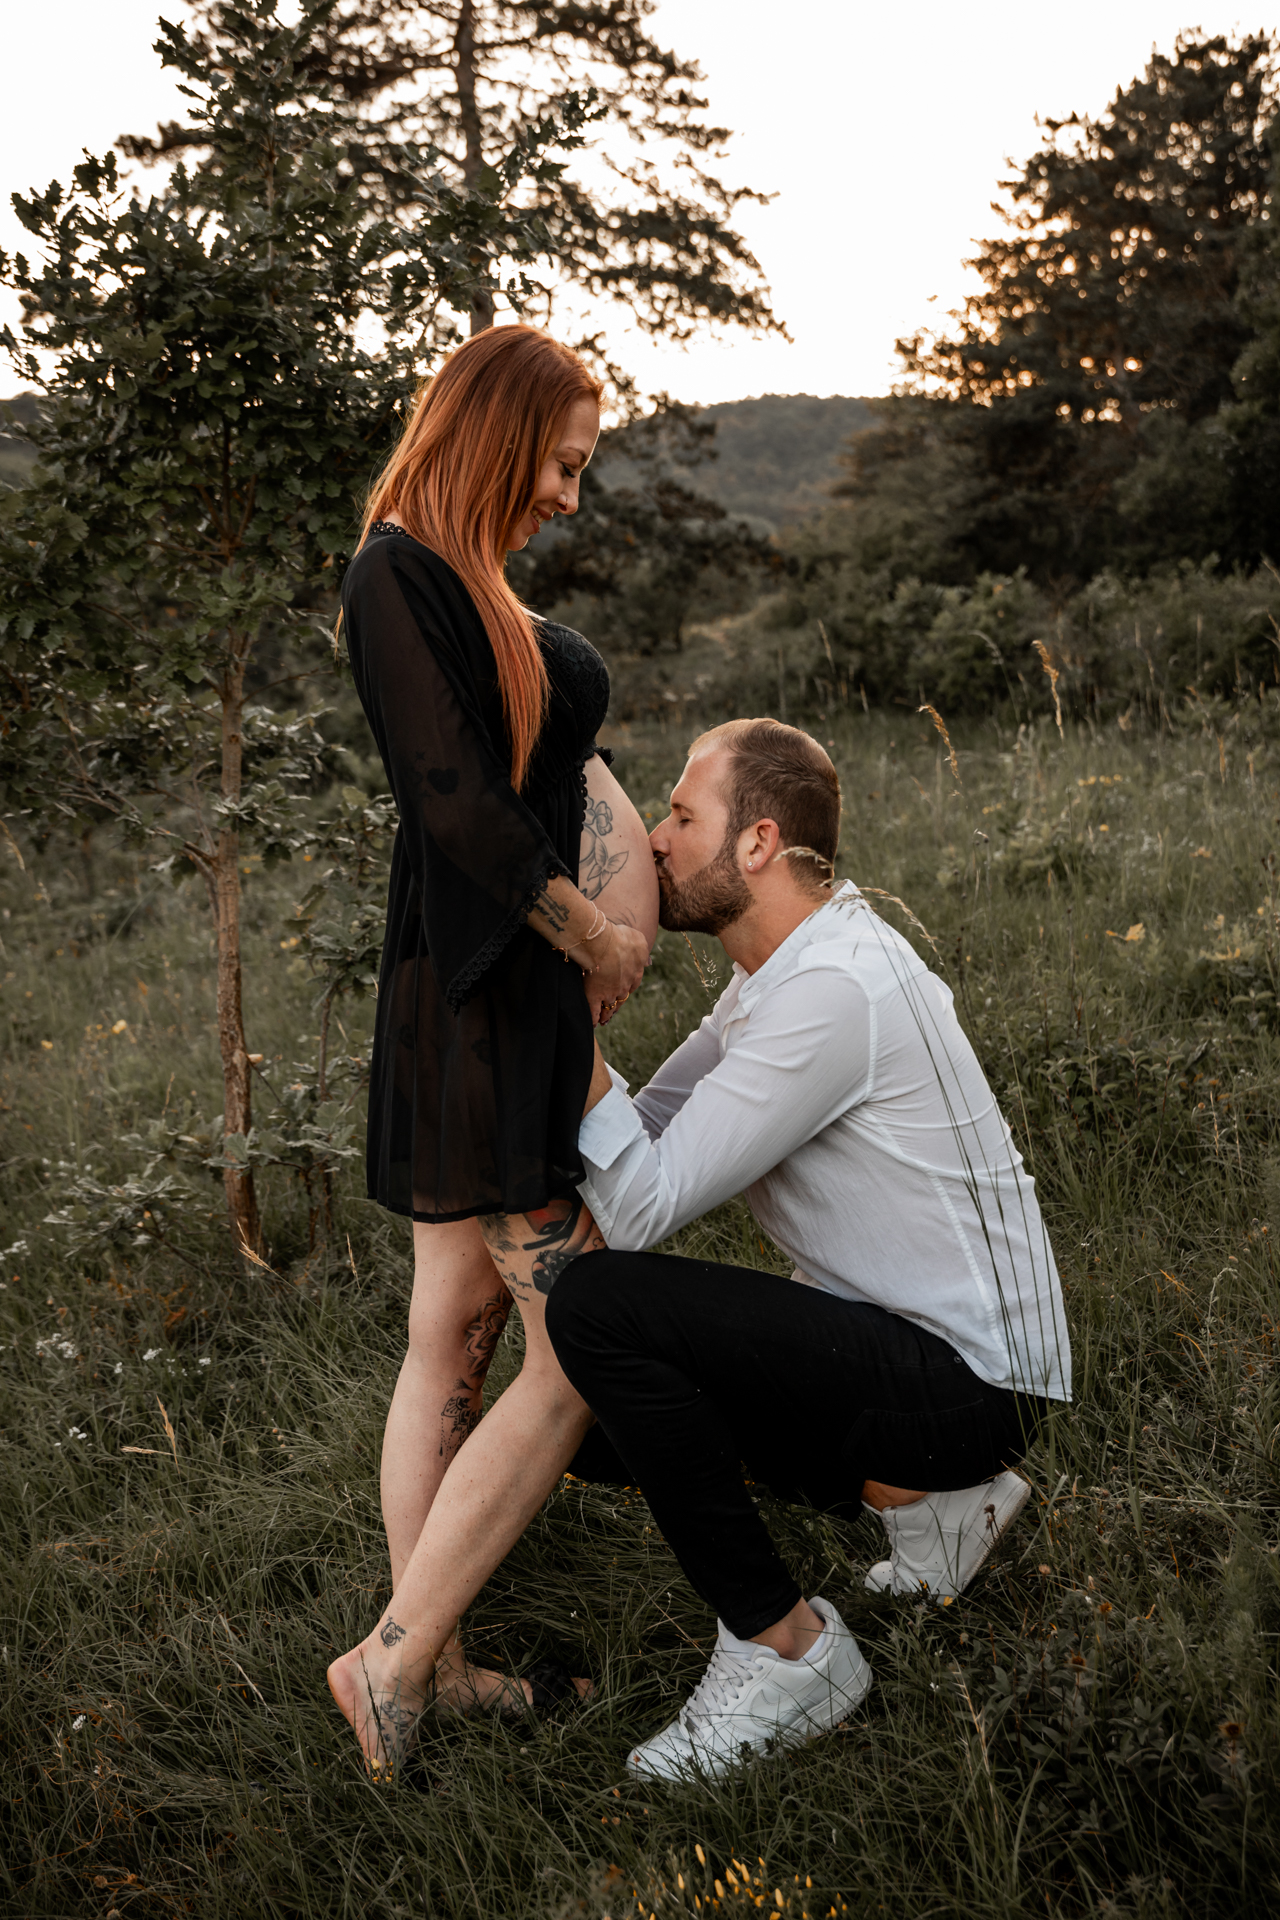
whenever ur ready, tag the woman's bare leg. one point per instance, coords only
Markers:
(485, 1500)
(456, 1317)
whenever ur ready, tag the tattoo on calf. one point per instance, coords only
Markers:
(390, 1634)
(459, 1417)
(596, 865)
(561, 1231)
(483, 1335)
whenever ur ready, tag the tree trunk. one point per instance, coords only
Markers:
(242, 1202)
(464, 73)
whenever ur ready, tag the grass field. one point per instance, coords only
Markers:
(1093, 1728)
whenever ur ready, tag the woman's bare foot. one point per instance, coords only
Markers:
(466, 1689)
(381, 1710)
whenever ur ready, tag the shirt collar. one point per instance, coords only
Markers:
(785, 960)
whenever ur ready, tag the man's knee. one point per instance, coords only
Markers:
(591, 1293)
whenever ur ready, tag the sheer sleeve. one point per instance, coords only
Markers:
(424, 671)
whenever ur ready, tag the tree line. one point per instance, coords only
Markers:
(1091, 448)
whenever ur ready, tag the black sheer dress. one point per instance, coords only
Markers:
(482, 1048)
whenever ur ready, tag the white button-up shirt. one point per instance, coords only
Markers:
(835, 1088)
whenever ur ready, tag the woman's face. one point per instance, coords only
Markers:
(557, 490)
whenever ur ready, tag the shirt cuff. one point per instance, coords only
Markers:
(611, 1125)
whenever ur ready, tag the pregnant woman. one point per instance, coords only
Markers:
(523, 903)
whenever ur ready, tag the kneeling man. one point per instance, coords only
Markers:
(911, 1355)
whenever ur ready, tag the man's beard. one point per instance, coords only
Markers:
(709, 900)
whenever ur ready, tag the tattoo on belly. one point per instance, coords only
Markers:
(596, 865)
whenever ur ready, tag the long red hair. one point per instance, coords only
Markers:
(466, 472)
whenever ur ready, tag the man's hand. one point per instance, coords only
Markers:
(600, 1081)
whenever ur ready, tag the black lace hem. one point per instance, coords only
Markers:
(465, 982)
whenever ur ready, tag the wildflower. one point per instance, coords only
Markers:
(203, 1363)
(78, 1722)
(151, 1353)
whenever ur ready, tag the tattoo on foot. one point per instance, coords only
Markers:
(596, 865)
(390, 1634)
(397, 1724)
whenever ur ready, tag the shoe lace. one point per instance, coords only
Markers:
(718, 1688)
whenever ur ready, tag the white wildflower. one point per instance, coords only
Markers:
(151, 1353)
(79, 1721)
(53, 1344)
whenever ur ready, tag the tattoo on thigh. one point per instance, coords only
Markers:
(483, 1335)
(459, 1417)
(561, 1231)
(596, 865)
(390, 1634)
(495, 1229)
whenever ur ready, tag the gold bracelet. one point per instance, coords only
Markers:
(598, 926)
(609, 924)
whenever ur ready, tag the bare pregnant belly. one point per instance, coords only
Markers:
(615, 865)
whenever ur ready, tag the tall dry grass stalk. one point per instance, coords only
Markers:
(1054, 674)
(941, 726)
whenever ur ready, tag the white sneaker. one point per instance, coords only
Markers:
(937, 1544)
(750, 1701)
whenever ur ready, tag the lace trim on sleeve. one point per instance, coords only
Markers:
(464, 983)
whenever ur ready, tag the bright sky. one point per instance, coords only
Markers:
(882, 131)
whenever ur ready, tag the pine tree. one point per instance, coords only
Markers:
(1109, 306)
(469, 80)
(209, 424)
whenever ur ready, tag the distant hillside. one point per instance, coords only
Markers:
(779, 454)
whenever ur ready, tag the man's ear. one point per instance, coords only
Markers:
(758, 845)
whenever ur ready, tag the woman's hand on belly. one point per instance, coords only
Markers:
(615, 867)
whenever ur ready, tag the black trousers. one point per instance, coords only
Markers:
(695, 1371)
